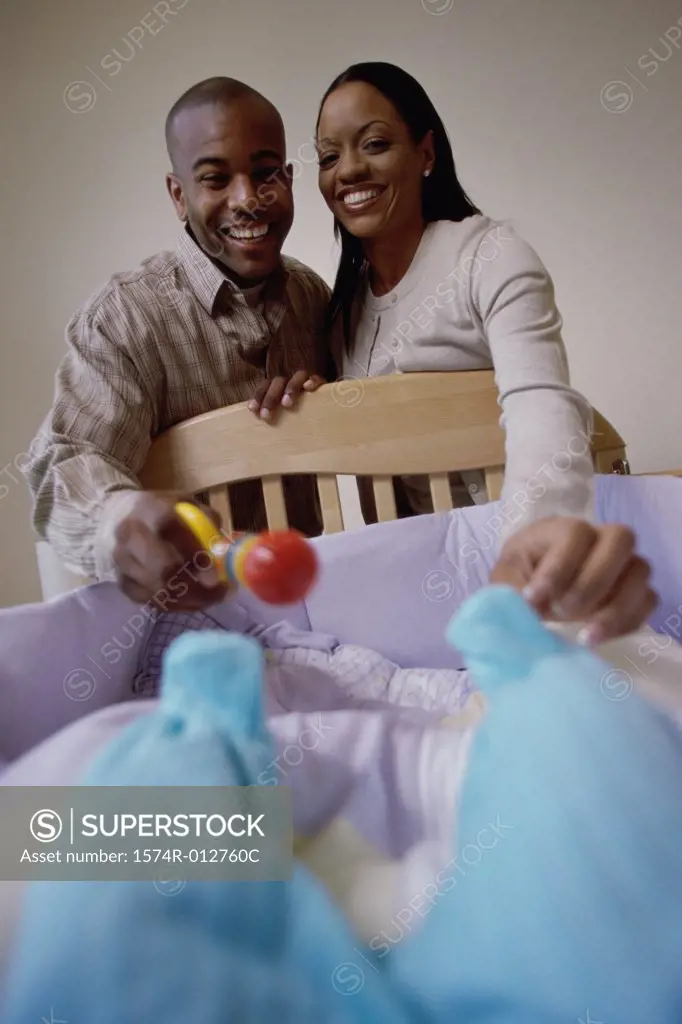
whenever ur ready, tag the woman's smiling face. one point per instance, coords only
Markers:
(370, 168)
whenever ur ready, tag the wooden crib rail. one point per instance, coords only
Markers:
(420, 423)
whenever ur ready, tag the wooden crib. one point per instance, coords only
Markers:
(418, 423)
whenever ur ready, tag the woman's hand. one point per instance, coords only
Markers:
(282, 391)
(572, 571)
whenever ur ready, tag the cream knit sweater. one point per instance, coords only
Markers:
(477, 296)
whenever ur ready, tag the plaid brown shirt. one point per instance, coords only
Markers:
(156, 346)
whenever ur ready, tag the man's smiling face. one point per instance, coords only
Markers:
(231, 184)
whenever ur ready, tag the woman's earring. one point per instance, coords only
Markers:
(427, 172)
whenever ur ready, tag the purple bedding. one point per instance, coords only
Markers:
(390, 588)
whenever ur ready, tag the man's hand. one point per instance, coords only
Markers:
(282, 392)
(158, 559)
(571, 571)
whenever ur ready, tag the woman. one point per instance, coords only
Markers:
(427, 283)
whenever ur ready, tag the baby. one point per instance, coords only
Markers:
(442, 890)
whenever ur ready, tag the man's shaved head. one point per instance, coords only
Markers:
(217, 91)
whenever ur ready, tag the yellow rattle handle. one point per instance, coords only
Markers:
(206, 532)
(276, 566)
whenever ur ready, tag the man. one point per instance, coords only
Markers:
(223, 319)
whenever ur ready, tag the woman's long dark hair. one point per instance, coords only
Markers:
(443, 198)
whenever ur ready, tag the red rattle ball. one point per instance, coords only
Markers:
(279, 566)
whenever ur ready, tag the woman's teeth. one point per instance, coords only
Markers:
(242, 234)
(356, 198)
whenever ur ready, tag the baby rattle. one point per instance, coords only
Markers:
(277, 566)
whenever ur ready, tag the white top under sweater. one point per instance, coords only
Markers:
(477, 296)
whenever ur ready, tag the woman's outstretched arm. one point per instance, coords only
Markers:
(548, 424)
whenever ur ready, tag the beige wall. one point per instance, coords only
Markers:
(588, 170)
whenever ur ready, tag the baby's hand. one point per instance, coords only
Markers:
(572, 571)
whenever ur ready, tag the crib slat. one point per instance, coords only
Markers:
(330, 502)
(384, 496)
(275, 506)
(605, 460)
(441, 496)
(219, 499)
(494, 478)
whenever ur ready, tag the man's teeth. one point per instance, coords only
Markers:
(355, 198)
(243, 233)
